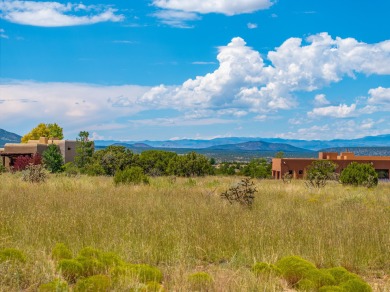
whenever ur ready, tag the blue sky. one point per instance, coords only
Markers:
(170, 69)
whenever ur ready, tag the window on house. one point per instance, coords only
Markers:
(69, 148)
(300, 171)
(290, 172)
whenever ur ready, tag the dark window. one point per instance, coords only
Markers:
(290, 172)
(69, 148)
(300, 172)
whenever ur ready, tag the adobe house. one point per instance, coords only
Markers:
(297, 166)
(10, 151)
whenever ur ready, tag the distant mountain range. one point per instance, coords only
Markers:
(8, 137)
(258, 146)
(314, 145)
(240, 145)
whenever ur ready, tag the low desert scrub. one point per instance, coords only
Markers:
(180, 229)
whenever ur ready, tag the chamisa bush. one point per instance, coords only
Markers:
(359, 174)
(133, 175)
(34, 173)
(200, 281)
(303, 275)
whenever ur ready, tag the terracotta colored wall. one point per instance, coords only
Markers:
(297, 167)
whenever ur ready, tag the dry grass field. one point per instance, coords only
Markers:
(184, 226)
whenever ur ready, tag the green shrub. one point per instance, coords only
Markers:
(12, 255)
(330, 289)
(133, 175)
(54, 286)
(200, 280)
(146, 273)
(71, 170)
(153, 287)
(340, 274)
(141, 272)
(265, 269)
(94, 169)
(355, 285)
(110, 259)
(319, 172)
(71, 270)
(2, 169)
(359, 174)
(96, 283)
(293, 269)
(61, 251)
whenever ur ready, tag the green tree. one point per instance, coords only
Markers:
(110, 160)
(279, 154)
(190, 164)
(44, 130)
(319, 172)
(155, 162)
(132, 175)
(227, 168)
(257, 168)
(52, 159)
(359, 174)
(84, 149)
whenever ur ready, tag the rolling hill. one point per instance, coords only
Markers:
(8, 137)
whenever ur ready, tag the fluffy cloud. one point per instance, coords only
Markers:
(379, 95)
(54, 14)
(344, 129)
(320, 99)
(243, 81)
(324, 60)
(227, 7)
(341, 111)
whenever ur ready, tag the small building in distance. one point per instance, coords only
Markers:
(11, 151)
(297, 167)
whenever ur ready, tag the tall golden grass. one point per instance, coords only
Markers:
(184, 226)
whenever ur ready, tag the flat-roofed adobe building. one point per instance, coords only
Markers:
(11, 151)
(297, 167)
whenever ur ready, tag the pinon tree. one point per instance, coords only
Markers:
(52, 159)
(84, 150)
(44, 130)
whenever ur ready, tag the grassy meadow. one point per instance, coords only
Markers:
(183, 226)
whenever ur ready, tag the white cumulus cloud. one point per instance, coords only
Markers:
(341, 111)
(55, 14)
(379, 95)
(243, 81)
(227, 7)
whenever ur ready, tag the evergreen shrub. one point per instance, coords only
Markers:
(359, 174)
(133, 175)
